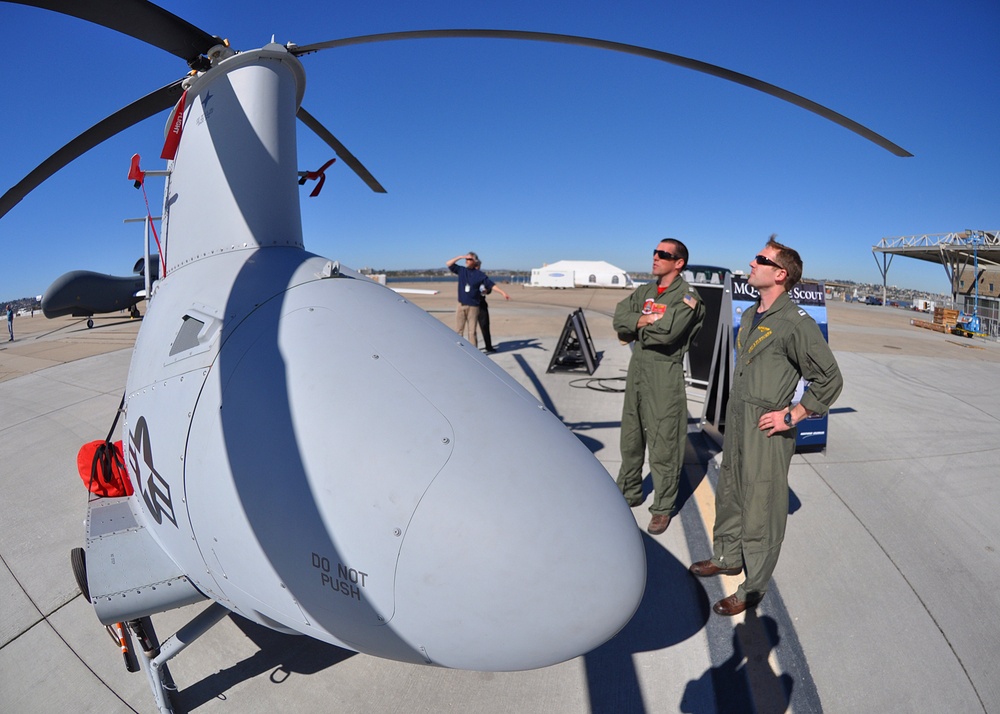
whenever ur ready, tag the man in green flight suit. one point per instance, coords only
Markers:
(661, 319)
(777, 344)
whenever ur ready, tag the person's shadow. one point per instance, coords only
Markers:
(673, 608)
(745, 682)
(515, 345)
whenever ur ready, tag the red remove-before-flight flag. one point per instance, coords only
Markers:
(174, 133)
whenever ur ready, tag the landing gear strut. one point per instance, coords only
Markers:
(155, 655)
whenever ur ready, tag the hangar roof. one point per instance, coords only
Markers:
(947, 249)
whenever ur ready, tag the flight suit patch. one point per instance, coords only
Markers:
(651, 307)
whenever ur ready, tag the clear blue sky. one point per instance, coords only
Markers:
(531, 153)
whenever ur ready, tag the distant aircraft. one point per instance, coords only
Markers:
(83, 293)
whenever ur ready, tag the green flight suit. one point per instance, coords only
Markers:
(655, 409)
(751, 500)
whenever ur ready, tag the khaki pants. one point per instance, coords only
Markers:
(468, 315)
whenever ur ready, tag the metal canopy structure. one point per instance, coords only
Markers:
(979, 250)
(954, 251)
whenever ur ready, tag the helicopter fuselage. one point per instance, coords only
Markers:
(321, 456)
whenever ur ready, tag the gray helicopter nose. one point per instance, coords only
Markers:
(521, 559)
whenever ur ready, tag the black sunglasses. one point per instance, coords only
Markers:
(664, 255)
(763, 260)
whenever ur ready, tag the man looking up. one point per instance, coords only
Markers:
(473, 284)
(777, 344)
(661, 319)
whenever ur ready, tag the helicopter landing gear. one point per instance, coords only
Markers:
(155, 655)
(90, 322)
(78, 559)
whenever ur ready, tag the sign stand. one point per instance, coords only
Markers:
(575, 347)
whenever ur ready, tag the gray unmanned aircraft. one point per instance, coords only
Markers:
(83, 293)
(262, 474)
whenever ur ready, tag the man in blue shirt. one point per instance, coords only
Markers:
(473, 284)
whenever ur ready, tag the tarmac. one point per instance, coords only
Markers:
(886, 597)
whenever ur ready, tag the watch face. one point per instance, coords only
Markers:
(788, 418)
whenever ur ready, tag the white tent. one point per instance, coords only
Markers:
(580, 274)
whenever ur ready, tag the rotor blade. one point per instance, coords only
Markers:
(152, 103)
(140, 19)
(673, 59)
(346, 156)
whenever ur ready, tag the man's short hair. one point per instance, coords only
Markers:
(680, 250)
(474, 256)
(789, 259)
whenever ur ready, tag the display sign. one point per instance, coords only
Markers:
(710, 284)
(811, 297)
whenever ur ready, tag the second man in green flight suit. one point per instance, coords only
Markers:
(778, 343)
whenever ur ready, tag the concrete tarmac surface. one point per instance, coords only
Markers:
(886, 597)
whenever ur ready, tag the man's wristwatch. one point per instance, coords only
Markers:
(788, 418)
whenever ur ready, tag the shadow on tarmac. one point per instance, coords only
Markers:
(673, 608)
(745, 682)
(514, 345)
(280, 654)
(81, 326)
(794, 503)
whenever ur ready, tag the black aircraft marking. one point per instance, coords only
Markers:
(156, 493)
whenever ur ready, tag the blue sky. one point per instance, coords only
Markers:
(531, 153)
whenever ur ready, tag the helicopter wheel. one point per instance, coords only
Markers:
(90, 323)
(78, 559)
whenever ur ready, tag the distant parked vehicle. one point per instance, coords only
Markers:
(872, 300)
